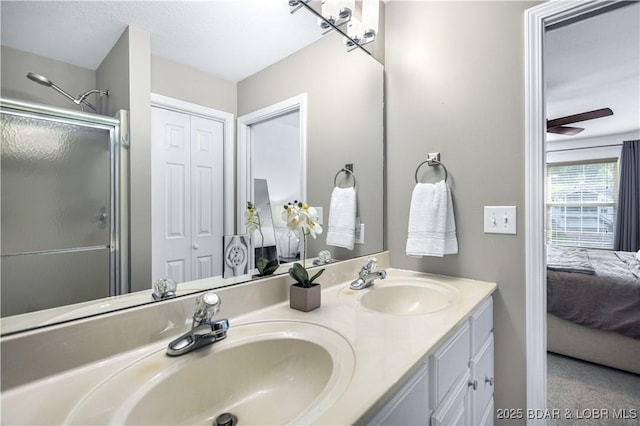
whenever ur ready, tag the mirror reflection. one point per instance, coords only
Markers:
(339, 122)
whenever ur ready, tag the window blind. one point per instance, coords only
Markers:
(581, 201)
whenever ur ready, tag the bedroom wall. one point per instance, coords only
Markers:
(455, 84)
(584, 149)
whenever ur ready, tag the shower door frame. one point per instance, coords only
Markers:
(118, 193)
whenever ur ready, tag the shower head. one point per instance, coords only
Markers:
(40, 79)
(82, 99)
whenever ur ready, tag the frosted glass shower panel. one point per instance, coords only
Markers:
(55, 185)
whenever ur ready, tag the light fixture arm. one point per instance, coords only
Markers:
(350, 42)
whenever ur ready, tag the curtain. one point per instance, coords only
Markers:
(627, 236)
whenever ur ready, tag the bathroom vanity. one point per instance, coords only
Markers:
(413, 348)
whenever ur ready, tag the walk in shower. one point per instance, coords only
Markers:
(63, 234)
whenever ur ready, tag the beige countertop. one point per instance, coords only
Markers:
(387, 348)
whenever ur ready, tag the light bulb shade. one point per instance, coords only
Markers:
(289, 247)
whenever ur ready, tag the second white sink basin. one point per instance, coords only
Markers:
(263, 373)
(409, 296)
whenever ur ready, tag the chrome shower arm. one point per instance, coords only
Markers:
(83, 98)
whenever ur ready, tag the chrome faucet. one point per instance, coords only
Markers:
(368, 274)
(204, 331)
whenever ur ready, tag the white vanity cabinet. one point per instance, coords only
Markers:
(481, 365)
(455, 385)
(469, 400)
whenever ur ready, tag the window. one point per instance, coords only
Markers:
(581, 203)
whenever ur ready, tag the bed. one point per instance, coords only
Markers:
(593, 306)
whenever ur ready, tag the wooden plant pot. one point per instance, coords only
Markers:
(304, 299)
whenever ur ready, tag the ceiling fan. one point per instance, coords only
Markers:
(558, 125)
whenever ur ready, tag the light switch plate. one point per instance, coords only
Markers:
(500, 219)
(320, 219)
(360, 233)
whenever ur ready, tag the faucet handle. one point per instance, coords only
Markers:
(164, 288)
(370, 264)
(207, 305)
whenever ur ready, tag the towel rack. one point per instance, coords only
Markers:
(432, 160)
(348, 170)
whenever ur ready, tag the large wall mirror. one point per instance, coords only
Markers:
(235, 57)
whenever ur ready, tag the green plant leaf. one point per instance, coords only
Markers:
(271, 267)
(302, 271)
(299, 273)
(316, 275)
(266, 266)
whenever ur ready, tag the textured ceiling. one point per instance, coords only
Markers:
(590, 64)
(595, 63)
(231, 39)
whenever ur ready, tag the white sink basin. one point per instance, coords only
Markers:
(263, 373)
(408, 296)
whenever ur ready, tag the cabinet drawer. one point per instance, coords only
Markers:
(453, 410)
(481, 325)
(482, 378)
(409, 406)
(449, 363)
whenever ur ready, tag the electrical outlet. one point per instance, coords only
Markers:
(360, 234)
(500, 219)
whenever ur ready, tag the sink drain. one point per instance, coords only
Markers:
(226, 419)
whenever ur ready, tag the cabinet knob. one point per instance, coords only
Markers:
(473, 384)
(196, 246)
(489, 380)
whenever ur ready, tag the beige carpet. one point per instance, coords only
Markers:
(582, 393)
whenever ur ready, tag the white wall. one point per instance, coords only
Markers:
(182, 82)
(71, 78)
(344, 125)
(455, 84)
(584, 149)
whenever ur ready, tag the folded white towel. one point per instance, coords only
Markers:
(432, 227)
(342, 218)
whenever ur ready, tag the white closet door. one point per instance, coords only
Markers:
(187, 199)
(206, 197)
(171, 198)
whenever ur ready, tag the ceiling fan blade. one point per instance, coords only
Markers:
(590, 115)
(565, 130)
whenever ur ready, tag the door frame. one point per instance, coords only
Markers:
(245, 176)
(227, 119)
(536, 21)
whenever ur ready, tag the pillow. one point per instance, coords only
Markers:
(638, 255)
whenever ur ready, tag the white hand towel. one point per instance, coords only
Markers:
(432, 229)
(342, 218)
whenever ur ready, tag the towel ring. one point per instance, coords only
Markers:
(432, 163)
(348, 173)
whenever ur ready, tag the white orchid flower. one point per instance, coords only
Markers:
(302, 216)
(314, 228)
(252, 218)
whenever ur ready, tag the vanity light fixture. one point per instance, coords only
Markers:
(338, 15)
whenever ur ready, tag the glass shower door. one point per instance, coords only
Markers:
(56, 212)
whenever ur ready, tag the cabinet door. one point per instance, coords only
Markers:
(409, 406)
(487, 417)
(482, 378)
